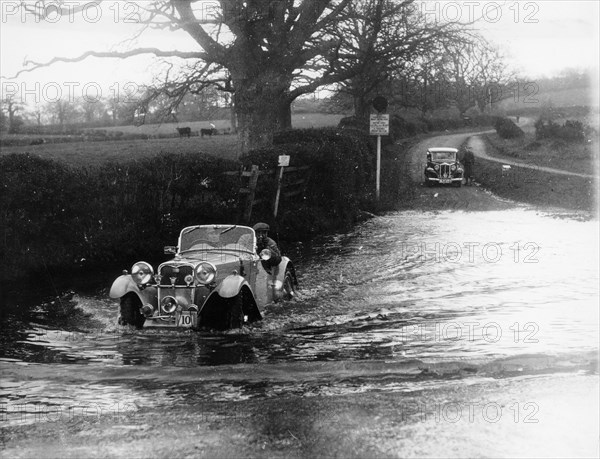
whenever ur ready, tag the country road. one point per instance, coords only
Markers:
(447, 197)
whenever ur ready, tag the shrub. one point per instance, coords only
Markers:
(342, 171)
(507, 129)
(56, 216)
(571, 131)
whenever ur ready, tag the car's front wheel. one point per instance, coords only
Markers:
(235, 311)
(131, 313)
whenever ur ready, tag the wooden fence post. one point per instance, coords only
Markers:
(252, 181)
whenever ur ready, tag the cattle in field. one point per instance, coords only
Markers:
(37, 142)
(184, 131)
(208, 132)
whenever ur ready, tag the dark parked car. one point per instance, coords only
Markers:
(216, 280)
(443, 167)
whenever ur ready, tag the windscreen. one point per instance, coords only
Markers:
(220, 237)
(443, 156)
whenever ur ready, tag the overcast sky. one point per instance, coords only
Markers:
(540, 38)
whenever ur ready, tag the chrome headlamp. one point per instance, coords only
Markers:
(437, 167)
(168, 304)
(265, 254)
(142, 272)
(453, 167)
(205, 273)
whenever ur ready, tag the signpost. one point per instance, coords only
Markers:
(379, 125)
(284, 161)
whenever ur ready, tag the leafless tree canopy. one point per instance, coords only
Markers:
(266, 53)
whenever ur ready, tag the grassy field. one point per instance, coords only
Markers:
(307, 120)
(93, 153)
(565, 98)
(556, 153)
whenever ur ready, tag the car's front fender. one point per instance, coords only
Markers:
(124, 284)
(231, 286)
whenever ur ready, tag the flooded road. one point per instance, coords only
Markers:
(420, 333)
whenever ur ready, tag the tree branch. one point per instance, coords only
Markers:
(121, 55)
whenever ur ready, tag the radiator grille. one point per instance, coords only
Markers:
(179, 272)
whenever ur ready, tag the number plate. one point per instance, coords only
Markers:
(187, 319)
(445, 181)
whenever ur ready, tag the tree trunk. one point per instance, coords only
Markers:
(361, 107)
(262, 108)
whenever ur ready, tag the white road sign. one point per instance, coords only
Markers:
(380, 124)
(284, 160)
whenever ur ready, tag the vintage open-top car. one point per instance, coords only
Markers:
(443, 167)
(215, 280)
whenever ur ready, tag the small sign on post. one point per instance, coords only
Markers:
(284, 161)
(380, 125)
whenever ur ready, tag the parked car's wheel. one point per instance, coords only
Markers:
(428, 183)
(289, 288)
(235, 311)
(457, 184)
(130, 309)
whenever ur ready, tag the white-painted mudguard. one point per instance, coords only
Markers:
(125, 284)
(231, 286)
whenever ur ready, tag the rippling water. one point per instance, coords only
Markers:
(405, 302)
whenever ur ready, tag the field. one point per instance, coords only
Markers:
(98, 152)
(580, 97)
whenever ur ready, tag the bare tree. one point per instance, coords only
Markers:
(10, 106)
(62, 112)
(477, 72)
(263, 46)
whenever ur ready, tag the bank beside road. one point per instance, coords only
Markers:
(533, 184)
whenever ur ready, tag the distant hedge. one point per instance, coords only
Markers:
(401, 128)
(570, 131)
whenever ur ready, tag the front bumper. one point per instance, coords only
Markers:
(444, 180)
(183, 319)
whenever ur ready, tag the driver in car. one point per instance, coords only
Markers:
(263, 241)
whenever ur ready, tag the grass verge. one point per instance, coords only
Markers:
(536, 186)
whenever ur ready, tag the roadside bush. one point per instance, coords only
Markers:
(506, 129)
(54, 216)
(341, 179)
(571, 131)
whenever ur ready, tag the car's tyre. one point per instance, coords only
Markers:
(428, 183)
(458, 184)
(131, 313)
(289, 285)
(235, 311)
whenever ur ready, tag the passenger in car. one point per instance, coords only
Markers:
(263, 241)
